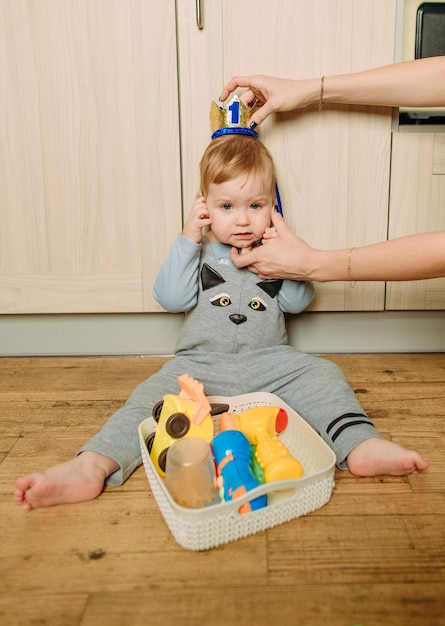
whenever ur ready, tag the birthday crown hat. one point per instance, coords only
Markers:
(234, 119)
(230, 119)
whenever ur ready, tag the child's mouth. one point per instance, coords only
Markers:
(243, 236)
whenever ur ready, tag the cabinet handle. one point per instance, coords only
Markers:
(199, 23)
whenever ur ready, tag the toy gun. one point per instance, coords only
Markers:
(261, 425)
(233, 455)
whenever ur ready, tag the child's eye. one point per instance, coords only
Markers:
(255, 206)
(226, 207)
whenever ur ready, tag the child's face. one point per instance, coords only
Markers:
(241, 210)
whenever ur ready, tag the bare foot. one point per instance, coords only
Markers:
(377, 457)
(77, 480)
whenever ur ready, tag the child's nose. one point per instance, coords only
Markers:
(242, 216)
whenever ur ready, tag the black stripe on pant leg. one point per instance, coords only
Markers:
(347, 425)
(342, 417)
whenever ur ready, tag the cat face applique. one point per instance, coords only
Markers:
(238, 309)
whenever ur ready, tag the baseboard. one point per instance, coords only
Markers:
(156, 333)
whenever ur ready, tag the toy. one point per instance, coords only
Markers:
(233, 455)
(188, 414)
(261, 426)
(190, 473)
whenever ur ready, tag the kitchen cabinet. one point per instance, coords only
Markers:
(106, 115)
(417, 201)
(90, 191)
(333, 166)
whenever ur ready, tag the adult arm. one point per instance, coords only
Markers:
(413, 257)
(419, 83)
(287, 256)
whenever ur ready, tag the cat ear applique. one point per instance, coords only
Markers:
(271, 286)
(210, 277)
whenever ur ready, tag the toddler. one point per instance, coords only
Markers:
(233, 340)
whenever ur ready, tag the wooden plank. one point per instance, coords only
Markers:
(26, 609)
(358, 549)
(73, 377)
(119, 541)
(295, 603)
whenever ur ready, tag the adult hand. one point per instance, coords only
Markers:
(272, 94)
(283, 255)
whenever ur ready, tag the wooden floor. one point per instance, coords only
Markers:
(374, 555)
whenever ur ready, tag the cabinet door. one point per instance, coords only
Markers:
(333, 166)
(417, 204)
(89, 157)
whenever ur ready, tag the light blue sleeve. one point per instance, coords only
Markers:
(176, 285)
(295, 296)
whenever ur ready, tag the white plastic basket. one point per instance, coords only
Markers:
(205, 528)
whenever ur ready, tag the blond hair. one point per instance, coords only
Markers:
(230, 156)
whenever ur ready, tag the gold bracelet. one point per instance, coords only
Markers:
(351, 282)
(320, 102)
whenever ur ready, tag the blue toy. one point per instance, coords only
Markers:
(233, 457)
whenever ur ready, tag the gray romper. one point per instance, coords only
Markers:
(234, 341)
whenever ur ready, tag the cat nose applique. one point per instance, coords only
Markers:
(237, 318)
